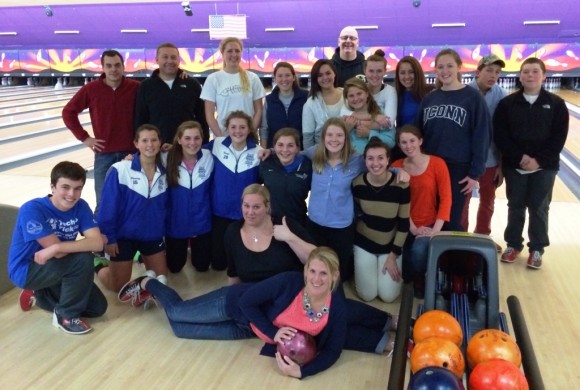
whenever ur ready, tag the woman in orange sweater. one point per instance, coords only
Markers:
(430, 201)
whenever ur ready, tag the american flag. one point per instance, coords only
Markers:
(223, 26)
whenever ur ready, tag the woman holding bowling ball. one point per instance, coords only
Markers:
(275, 310)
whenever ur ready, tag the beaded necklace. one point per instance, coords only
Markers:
(312, 315)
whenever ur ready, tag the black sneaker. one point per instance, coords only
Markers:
(70, 325)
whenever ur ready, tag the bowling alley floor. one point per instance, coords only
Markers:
(130, 348)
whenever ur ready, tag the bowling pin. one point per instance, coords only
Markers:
(475, 53)
(58, 84)
(571, 54)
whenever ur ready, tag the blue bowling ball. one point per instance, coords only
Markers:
(435, 378)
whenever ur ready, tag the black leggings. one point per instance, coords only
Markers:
(177, 252)
(341, 240)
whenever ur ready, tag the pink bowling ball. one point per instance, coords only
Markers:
(301, 348)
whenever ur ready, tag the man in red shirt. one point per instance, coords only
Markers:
(111, 103)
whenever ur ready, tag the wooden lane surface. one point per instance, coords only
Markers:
(45, 105)
(22, 88)
(83, 156)
(33, 92)
(570, 96)
(32, 101)
(573, 140)
(25, 118)
(9, 100)
(36, 145)
(39, 127)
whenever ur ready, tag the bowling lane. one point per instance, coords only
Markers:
(573, 140)
(32, 93)
(40, 127)
(34, 107)
(17, 119)
(570, 96)
(35, 100)
(82, 156)
(42, 143)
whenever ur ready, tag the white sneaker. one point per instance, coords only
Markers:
(162, 279)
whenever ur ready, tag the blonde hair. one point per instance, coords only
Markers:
(257, 189)
(320, 154)
(329, 257)
(244, 79)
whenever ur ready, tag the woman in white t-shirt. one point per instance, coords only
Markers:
(231, 89)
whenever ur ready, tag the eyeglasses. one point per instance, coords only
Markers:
(348, 38)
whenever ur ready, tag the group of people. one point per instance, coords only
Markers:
(383, 169)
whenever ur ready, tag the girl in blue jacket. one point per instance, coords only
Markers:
(189, 174)
(132, 212)
(236, 165)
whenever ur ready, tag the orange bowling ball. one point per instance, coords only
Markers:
(490, 344)
(437, 352)
(437, 323)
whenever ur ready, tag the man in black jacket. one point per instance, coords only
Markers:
(347, 60)
(530, 130)
(169, 98)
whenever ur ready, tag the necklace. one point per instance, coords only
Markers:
(312, 315)
(255, 238)
(377, 188)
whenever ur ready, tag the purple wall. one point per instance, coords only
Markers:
(316, 23)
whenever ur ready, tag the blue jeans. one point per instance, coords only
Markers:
(103, 162)
(202, 318)
(532, 192)
(415, 254)
(66, 285)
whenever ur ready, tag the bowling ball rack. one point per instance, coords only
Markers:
(462, 279)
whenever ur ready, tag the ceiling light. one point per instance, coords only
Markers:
(8, 33)
(365, 27)
(67, 32)
(141, 31)
(540, 22)
(440, 25)
(199, 30)
(278, 29)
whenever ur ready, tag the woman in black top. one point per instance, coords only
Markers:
(260, 246)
